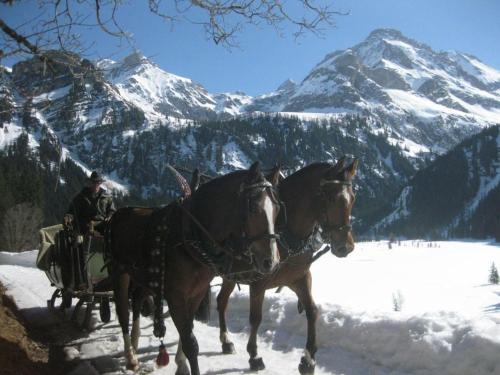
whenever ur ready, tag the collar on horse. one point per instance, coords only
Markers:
(295, 246)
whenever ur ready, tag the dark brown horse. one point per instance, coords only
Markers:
(317, 197)
(225, 227)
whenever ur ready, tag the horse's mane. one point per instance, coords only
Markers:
(311, 168)
(215, 203)
(229, 182)
(318, 167)
(308, 178)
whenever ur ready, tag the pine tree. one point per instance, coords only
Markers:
(397, 301)
(493, 279)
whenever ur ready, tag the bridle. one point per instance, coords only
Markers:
(326, 227)
(238, 247)
(243, 243)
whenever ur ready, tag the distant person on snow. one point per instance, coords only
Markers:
(91, 208)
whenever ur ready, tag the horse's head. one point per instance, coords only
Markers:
(337, 199)
(260, 207)
(239, 210)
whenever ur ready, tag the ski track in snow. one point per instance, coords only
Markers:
(449, 322)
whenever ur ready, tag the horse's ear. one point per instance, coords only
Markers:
(274, 177)
(340, 164)
(254, 173)
(351, 170)
(335, 169)
(195, 180)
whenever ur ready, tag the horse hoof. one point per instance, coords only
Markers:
(256, 364)
(132, 361)
(228, 348)
(306, 367)
(133, 366)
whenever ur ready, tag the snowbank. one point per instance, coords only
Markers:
(449, 323)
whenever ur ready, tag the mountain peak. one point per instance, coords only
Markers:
(131, 61)
(134, 59)
(392, 37)
(288, 84)
(386, 33)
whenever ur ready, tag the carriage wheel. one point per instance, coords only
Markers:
(64, 303)
(67, 300)
(76, 311)
(86, 324)
(51, 303)
(83, 319)
(104, 310)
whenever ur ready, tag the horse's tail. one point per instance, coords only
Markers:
(203, 312)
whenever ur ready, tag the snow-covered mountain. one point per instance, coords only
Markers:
(389, 100)
(430, 98)
(161, 94)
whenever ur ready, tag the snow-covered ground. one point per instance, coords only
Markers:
(449, 321)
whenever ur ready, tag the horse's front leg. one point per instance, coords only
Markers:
(138, 298)
(222, 301)
(256, 300)
(302, 288)
(121, 303)
(182, 312)
(188, 346)
(181, 361)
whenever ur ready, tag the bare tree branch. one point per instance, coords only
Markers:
(20, 39)
(60, 22)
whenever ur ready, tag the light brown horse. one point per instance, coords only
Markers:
(225, 227)
(317, 196)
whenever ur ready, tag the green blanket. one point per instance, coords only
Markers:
(49, 239)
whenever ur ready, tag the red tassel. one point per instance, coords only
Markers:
(163, 359)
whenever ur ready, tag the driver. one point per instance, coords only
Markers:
(91, 208)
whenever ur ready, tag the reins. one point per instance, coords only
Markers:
(319, 254)
(204, 230)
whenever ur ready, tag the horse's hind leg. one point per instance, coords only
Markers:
(256, 300)
(121, 302)
(222, 301)
(302, 288)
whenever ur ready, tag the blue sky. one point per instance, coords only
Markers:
(264, 60)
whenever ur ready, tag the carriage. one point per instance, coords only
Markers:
(76, 267)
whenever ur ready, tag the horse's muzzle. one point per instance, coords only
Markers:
(266, 266)
(342, 250)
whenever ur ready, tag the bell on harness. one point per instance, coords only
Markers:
(163, 358)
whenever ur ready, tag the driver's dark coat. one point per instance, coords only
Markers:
(87, 207)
